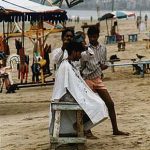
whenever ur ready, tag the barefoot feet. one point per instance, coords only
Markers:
(121, 133)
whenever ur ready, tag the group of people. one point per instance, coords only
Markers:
(87, 61)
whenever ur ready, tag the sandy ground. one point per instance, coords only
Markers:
(24, 116)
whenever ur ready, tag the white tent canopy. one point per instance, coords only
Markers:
(12, 9)
(26, 6)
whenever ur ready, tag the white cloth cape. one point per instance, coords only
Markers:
(68, 78)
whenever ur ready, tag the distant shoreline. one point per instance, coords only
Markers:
(86, 14)
(78, 8)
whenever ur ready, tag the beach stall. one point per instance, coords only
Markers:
(14, 12)
(114, 36)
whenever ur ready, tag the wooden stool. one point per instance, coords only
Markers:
(121, 46)
(55, 138)
(110, 39)
(132, 37)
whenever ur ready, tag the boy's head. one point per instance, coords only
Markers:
(93, 34)
(79, 36)
(74, 50)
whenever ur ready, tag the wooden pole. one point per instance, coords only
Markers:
(3, 29)
(112, 5)
(107, 27)
(112, 10)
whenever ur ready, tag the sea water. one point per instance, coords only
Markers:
(87, 14)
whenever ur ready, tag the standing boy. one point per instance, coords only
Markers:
(93, 64)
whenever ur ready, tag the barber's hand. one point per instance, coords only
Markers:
(103, 66)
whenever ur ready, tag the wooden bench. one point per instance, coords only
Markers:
(55, 138)
(132, 37)
(141, 64)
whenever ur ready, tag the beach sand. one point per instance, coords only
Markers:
(24, 115)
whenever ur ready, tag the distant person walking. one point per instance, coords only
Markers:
(138, 22)
(91, 18)
(146, 18)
